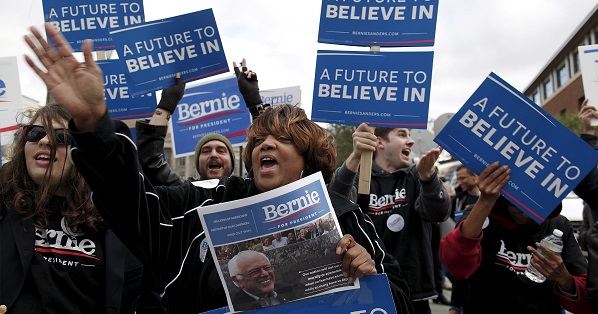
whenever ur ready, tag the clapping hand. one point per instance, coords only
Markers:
(426, 165)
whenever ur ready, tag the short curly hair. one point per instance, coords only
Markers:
(312, 140)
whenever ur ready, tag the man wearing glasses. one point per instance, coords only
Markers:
(252, 272)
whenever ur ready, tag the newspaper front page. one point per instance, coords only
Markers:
(276, 247)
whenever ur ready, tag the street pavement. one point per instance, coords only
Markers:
(439, 308)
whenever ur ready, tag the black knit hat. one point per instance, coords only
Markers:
(212, 137)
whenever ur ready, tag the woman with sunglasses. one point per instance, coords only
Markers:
(56, 254)
(161, 222)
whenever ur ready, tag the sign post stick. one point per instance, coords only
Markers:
(365, 166)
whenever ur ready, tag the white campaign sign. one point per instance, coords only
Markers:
(10, 98)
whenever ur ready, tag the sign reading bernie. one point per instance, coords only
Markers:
(498, 123)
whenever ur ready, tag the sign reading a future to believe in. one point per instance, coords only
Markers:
(498, 123)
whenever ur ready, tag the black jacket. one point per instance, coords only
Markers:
(160, 225)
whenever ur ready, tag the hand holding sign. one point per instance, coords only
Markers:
(588, 117)
(171, 96)
(364, 141)
(357, 262)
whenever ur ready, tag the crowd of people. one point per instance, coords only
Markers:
(92, 222)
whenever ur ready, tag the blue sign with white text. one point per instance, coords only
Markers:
(498, 123)
(121, 105)
(92, 19)
(287, 210)
(152, 53)
(378, 23)
(385, 89)
(373, 296)
(215, 107)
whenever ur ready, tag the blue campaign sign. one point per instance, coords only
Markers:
(378, 23)
(498, 123)
(215, 107)
(385, 89)
(121, 105)
(151, 53)
(92, 19)
(372, 297)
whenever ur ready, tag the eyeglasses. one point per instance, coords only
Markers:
(257, 271)
(34, 133)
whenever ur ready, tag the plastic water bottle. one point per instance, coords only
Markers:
(554, 243)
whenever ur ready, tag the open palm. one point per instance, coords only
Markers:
(76, 87)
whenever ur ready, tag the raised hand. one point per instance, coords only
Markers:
(249, 88)
(425, 166)
(78, 88)
(585, 116)
(171, 96)
(492, 180)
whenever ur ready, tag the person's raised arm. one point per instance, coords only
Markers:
(249, 88)
(151, 135)
(490, 182)
(78, 88)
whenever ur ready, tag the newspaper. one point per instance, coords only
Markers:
(294, 227)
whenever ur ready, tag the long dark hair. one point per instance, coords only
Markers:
(29, 199)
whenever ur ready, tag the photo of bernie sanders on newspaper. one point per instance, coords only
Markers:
(276, 247)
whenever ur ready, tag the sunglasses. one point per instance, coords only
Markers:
(34, 133)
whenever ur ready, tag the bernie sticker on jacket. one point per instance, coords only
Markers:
(395, 222)
(203, 250)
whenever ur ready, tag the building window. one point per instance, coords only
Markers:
(548, 89)
(536, 97)
(180, 162)
(562, 75)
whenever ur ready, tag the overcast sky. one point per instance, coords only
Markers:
(512, 38)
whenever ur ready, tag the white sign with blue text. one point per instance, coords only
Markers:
(213, 107)
(92, 19)
(406, 23)
(152, 53)
(299, 208)
(121, 105)
(498, 123)
(11, 100)
(588, 62)
(384, 89)
(278, 96)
